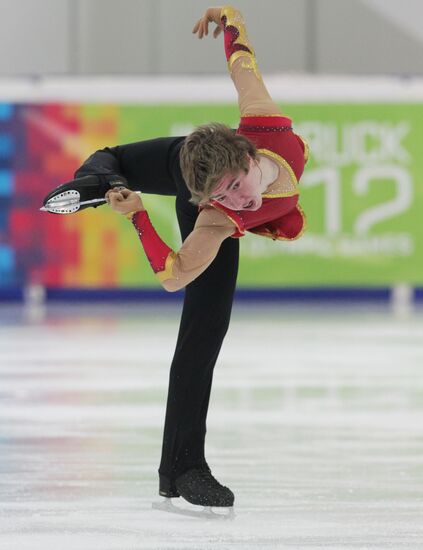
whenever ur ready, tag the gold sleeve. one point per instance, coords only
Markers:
(253, 96)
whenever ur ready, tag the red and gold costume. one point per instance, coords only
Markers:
(280, 216)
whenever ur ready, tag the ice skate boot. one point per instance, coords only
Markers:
(198, 487)
(167, 488)
(80, 193)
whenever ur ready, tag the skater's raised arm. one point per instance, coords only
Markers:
(174, 269)
(253, 97)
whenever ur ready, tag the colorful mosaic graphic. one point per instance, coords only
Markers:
(40, 147)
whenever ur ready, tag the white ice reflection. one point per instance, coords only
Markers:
(315, 422)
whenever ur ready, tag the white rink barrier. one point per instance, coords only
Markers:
(218, 89)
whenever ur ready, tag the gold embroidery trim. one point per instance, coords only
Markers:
(249, 62)
(267, 234)
(130, 214)
(306, 149)
(167, 273)
(304, 228)
(285, 164)
(281, 195)
(217, 206)
(272, 236)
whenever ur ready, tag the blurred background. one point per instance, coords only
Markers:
(77, 75)
(152, 37)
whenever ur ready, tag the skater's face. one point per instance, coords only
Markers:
(241, 191)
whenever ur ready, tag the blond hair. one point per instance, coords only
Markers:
(208, 154)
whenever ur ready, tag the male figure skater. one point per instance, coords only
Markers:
(225, 183)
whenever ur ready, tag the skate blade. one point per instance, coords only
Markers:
(67, 202)
(205, 512)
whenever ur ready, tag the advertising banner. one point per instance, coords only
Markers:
(361, 192)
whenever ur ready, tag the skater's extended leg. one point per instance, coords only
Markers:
(143, 166)
(146, 165)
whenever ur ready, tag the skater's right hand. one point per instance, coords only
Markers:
(202, 25)
(124, 201)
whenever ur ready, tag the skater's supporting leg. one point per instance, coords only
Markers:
(204, 323)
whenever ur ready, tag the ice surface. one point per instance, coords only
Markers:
(315, 422)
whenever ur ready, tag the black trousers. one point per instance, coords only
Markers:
(152, 166)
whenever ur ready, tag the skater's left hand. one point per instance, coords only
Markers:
(124, 201)
(212, 15)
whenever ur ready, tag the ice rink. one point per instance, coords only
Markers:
(315, 423)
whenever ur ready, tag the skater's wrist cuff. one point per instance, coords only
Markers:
(236, 39)
(130, 215)
(167, 272)
(160, 256)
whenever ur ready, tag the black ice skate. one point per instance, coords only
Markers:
(199, 487)
(81, 193)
